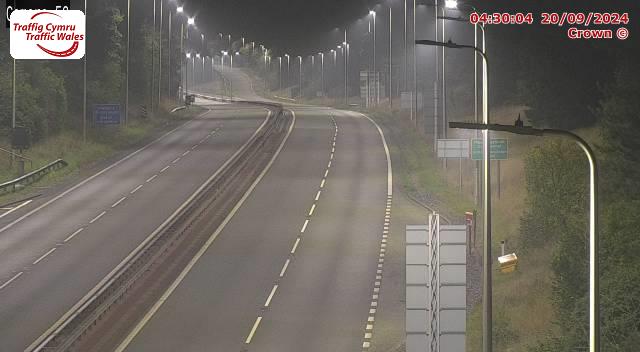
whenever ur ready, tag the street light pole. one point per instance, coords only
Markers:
(153, 58)
(415, 70)
(182, 63)
(160, 56)
(406, 54)
(594, 265)
(280, 71)
(322, 73)
(300, 77)
(390, 59)
(487, 317)
(346, 70)
(126, 114)
(170, 71)
(84, 90)
(475, 89)
(373, 13)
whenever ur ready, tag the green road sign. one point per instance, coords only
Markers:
(499, 149)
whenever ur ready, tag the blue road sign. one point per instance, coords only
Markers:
(106, 114)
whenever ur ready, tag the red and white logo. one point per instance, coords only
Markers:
(47, 34)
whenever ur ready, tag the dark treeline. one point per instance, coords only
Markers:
(49, 94)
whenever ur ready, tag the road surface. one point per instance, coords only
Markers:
(55, 250)
(297, 267)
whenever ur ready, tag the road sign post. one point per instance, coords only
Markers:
(454, 149)
(499, 151)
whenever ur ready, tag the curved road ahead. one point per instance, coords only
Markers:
(298, 266)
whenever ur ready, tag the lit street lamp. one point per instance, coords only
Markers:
(594, 279)
(373, 14)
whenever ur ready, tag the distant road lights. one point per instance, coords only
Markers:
(191, 21)
(180, 9)
(188, 55)
(451, 4)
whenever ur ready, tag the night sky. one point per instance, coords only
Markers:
(295, 25)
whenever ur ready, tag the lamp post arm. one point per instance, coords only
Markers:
(594, 245)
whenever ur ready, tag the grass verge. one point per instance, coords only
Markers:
(102, 144)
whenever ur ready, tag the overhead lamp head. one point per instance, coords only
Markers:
(451, 4)
(191, 21)
(180, 9)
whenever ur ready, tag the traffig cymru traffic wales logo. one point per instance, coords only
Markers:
(47, 34)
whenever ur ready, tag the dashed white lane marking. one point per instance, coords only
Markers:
(284, 267)
(12, 279)
(253, 330)
(152, 178)
(194, 147)
(98, 217)
(165, 168)
(118, 202)
(16, 208)
(331, 156)
(44, 256)
(295, 246)
(167, 293)
(186, 153)
(136, 189)
(73, 234)
(273, 292)
(176, 160)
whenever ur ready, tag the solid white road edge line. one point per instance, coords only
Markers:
(123, 345)
(16, 208)
(43, 339)
(56, 198)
